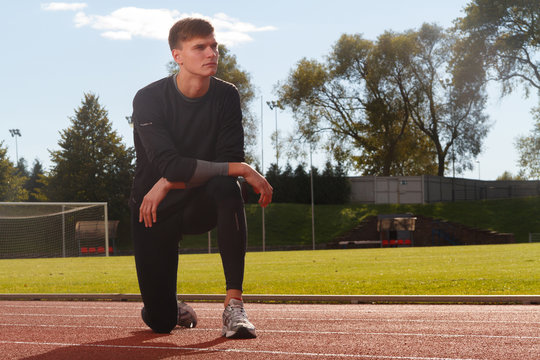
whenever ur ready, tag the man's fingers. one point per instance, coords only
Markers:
(154, 214)
(266, 196)
(146, 215)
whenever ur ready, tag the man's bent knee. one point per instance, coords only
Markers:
(163, 325)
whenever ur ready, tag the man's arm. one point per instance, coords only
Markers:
(150, 127)
(151, 201)
(204, 171)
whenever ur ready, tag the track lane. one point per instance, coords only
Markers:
(99, 330)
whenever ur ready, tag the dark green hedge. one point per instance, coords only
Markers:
(293, 186)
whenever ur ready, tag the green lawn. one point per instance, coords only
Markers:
(460, 270)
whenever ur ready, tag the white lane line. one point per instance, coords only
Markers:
(74, 315)
(405, 334)
(358, 308)
(314, 332)
(244, 351)
(76, 326)
(319, 320)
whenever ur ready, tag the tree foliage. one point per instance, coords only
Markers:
(447, 106)
(528, 148)
(391, 107)
(330, 186)
(230, 71)
(92, 163)
(507, 175)
(36, 183)
(505, 36)
(11, 179)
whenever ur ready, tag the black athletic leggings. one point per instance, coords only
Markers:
(219, 202)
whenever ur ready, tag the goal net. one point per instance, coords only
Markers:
(29, 230)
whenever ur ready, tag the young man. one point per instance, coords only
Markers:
(189, 142)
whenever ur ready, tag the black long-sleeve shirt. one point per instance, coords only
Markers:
(172, 132)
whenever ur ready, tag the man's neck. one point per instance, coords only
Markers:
(192, 86)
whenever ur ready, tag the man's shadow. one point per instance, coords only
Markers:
(140, 345)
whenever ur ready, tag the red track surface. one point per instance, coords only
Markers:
(112, 330)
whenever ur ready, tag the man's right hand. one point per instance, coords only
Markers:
(257, 181)
(149, 205)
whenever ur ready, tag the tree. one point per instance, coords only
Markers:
(22, 168)
(92, 164)
(346, 101)
(393, 143)
(11, 181)
(393, 107)
(332, 186)
(507, 175)
(505, 36)
(446, 105)
(528, 148)
(293, 186)
(230, 71)
(35, 184)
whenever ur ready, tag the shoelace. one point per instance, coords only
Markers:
(238, 314)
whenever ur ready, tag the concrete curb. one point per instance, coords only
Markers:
(351, 299)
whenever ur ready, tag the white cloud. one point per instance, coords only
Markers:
(58, 6)
(130, 22)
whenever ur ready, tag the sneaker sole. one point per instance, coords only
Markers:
(242, 333)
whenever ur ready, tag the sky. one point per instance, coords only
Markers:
(55, 52)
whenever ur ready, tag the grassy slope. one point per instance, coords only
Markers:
(488, 269)
(290, 224)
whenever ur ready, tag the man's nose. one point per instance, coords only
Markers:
(210, 52)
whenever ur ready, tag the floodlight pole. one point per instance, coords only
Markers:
(14, 133)
(312, 200)
(262, 170)
(106, 225)
(64, 230)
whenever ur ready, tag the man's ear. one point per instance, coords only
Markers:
(177, 56)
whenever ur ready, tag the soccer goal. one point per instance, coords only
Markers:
(30, 230)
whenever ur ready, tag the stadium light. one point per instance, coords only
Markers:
(14, 133)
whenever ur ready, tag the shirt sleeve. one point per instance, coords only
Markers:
(230, 141)
(205, 170)
(150, 124)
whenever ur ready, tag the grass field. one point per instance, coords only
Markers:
(459, 270)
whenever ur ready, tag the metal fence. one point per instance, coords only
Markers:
(429, 189)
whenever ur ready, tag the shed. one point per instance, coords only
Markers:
(396, 229)
(90, 236)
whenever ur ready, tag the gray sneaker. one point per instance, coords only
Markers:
(235, 322)
(186, 315)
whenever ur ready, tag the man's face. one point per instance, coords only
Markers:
(198, 56)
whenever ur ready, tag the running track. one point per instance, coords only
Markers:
(113, 330)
